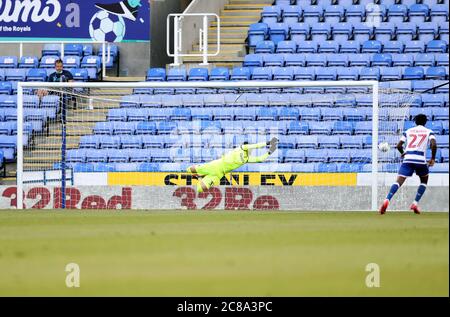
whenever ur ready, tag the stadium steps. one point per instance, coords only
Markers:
(235, 17)
(46, 150)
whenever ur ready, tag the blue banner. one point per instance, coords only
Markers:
(99, 20)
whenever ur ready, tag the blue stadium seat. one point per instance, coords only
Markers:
(328, 142)
(323, 127)
(166, 127)
(316, 156)
(219, 73)
(152, 141)
(308, 142)
(355, 13)
(73, 50)
(294, 156)
(390, 73)
(433, 100)
(240, 73)
(262, 73)
(146, 128)
(36, 74)
(71, 61)
(402, 60)
(436, 73)
(5, 88)
(316, 60)
(362, 32)
(350, 73)
(110, 142)
(278, 32)
(361, 156)
(253, 60)
(94, 155)
(131, 142)
(159, 114)
(406, 31)
(8, 101)
(15, 74)
(370, 73)
(145, 101)
(397, 13)
(442, 141)
(351, 142)
(118, 114)
(76, 156)
(342, 31)
(439, 13)
(420, 86)
(304, 73)
(180, 114)
(363, 127)
(381, 60)
(359, 60)
(437, 46)
(343, 127)
(308, 47)
(385, 32)
(156, 74)
(271, 14)
(328, 47)
(297, 127)
(312, 13)
(299, 32)
(337, 60)
(28, 62)
(418, 13)
(334, 14)
(310, 114)
(177, 74)
(283, 73)
(427, 31)
(413, 73)
(257, 32)
(134, 114)
(396, 47)
(287, 142)
(51, 49)
(371, 47)
(265, 47)
(124, 128)
(320, 31)
(217, 100)
(291, 13)
(289, 47)
(172, 101)
(326, 73)
(426, 59)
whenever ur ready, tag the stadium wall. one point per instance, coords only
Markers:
(304, 198)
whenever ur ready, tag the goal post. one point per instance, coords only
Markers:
(90, 95)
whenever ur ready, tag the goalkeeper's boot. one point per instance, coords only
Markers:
(415, 208)
(384, 207)
(128, 8)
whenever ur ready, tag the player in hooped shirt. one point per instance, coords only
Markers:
(414, 160)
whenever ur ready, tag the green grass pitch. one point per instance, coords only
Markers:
(211, 253)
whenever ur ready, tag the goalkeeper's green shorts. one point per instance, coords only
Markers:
(211, 173)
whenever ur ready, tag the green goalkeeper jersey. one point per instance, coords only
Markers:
(241, 155)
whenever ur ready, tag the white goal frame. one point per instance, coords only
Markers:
(208, 84)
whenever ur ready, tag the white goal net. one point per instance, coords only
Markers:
(129, 145)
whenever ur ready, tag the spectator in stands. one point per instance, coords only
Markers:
(59, 76)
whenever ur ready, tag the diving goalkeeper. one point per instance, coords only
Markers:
(211, 173)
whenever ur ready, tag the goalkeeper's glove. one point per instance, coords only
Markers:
(273, 145)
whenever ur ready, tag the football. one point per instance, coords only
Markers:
(384, 147)
(106, 27)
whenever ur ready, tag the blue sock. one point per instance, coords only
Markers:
(393, 190)
(420, 192)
